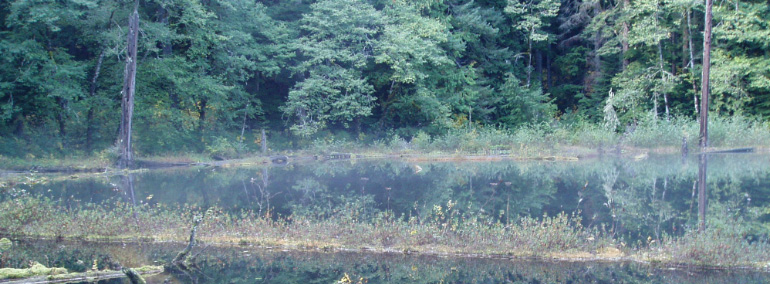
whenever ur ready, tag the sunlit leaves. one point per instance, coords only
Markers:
(330, 94)
(530, 16)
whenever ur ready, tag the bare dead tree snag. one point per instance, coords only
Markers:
(129, 89)
(181, 259)
(705, 88)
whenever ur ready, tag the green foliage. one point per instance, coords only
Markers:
(222, 148)
(329, 95)
(523, 104)
(532, 15)
(370, 68)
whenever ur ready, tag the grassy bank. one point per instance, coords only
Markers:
(566, 138)
(445, 231)
(555, 139)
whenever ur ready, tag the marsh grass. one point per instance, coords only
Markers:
(73, 163)
(444, 230)
(727, 242)
(553, 138)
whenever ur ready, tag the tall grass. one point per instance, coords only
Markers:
(444, 230)
(351, 226)
(733, 131)
(726, 242)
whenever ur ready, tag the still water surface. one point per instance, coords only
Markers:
(250, 265)
(636, 201)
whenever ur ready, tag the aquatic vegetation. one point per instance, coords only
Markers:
(725, 243)
(36, 269)
(446, 230)
(5, 244)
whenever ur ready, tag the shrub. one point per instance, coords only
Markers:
(221, 148)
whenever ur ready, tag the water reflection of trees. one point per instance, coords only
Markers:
(247, 265)
(635, 200)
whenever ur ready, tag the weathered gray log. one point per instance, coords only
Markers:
(728, 151)
(279, 159)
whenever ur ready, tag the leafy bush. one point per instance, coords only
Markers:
(222, 148)
(421, 141)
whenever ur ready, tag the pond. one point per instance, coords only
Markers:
(636, 202)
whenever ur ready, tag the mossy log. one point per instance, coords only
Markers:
(39, 274)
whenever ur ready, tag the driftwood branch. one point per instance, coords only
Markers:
(182, 262)
(133, 276)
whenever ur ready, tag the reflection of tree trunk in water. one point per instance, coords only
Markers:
(692, 198)
(363, 190)
(656, 207)
(609, 178)
(245, 190)
(205, 195)
(264, 195)
(127, 182)
(660, 207)
(702, 199)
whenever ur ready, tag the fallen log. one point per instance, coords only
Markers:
(61, 275)
(730, 151)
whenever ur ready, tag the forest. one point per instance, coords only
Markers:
(213, 72)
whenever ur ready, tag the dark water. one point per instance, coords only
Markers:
(633, 200)
(249, 265)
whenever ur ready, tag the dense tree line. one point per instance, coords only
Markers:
(368, 68)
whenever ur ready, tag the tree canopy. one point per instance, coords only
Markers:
(303, 69)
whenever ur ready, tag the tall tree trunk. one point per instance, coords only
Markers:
(61, 118)
(92, 94)
(264, 142)
(685, 39)
(705, 88)
(662, 78)
(596, 62)
(243, 125)
(548, 74)
(202, 115)
(167, 48)
(691, 63)
(529, 55)
(624, 42)
(539, 67)
(18, 121)
(129, 89)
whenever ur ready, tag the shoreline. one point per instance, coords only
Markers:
(569, 154)
(569, 257)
